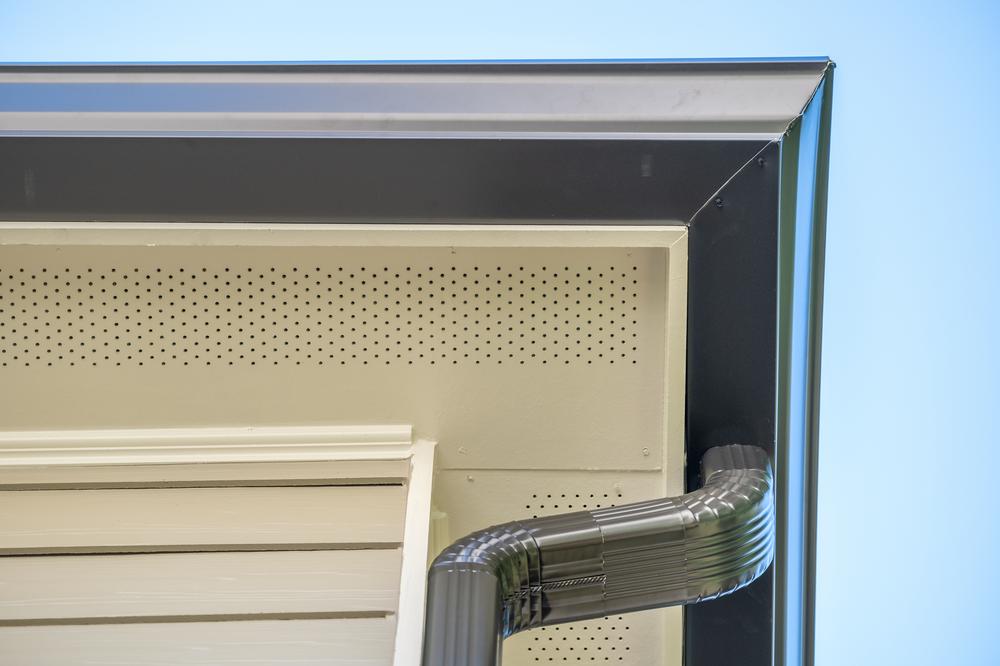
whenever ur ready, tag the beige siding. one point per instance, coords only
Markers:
(356, 642)
(80, 521)
(101, 587)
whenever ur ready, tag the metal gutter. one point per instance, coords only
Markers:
(596, 100)
(801, 241)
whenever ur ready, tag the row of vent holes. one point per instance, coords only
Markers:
(340, 269)
(586, 505)
(295, 269)
(276, 352)
(604, 645)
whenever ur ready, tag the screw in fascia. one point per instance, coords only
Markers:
(761, 162)
(718, 202)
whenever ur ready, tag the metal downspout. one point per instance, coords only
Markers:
(665, 552)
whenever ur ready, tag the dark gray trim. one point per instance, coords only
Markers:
(732, 306)
(329, 180)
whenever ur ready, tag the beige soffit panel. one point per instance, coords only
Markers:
(330, 642)
(599, 386)
(101, 588)
(623, 100)
(184, 519)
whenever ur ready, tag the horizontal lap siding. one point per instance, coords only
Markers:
(201, 563)
(102, 588)
(339, 642)
(192, 519)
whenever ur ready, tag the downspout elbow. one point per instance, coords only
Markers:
(586, 564)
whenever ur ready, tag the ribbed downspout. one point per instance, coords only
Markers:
(587, 564)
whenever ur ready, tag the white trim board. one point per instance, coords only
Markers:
(416, 536)
(656, 233)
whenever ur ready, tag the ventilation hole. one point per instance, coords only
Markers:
(597, 641)
(175, 313)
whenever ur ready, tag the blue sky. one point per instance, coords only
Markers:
(909, 544)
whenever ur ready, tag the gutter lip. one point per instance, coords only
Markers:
(613, 65)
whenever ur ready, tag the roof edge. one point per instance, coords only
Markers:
(807, 63)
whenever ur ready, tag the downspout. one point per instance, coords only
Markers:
(665, 552)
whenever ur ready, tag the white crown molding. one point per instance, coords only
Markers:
(199, 445)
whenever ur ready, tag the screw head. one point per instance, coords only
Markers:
(718, 202)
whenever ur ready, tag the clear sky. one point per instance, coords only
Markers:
(909, 569)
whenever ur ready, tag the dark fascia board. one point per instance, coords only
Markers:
(684, 99)
(406, 180)
(755, 283)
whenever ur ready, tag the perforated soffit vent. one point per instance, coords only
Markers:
(604, 640)
(339, 314)
(599, 640)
